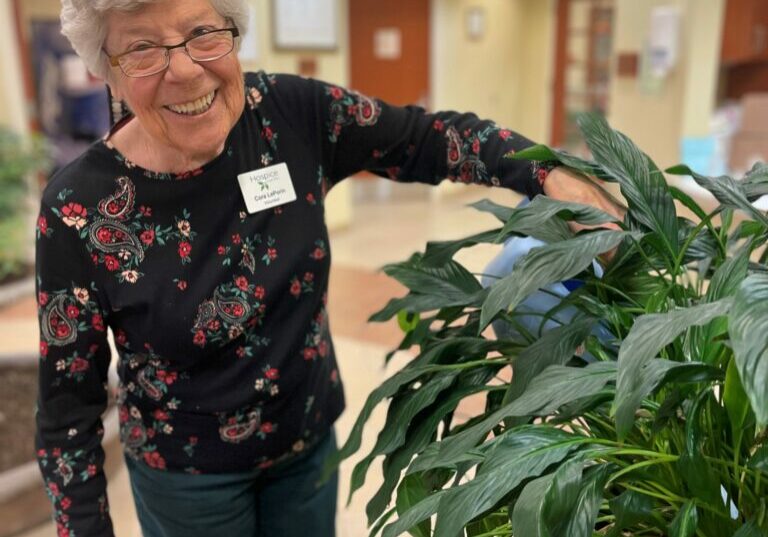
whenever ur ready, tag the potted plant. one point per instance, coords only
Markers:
(16, 162)
(662, 431)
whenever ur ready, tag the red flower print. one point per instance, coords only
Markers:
(236, 239)
(111, 263)
(160, 415)
(147, 237)
(43, 349)
(79, 365)
(266, 427)
(120, 337)
(377, 153)
(42, 453)
(242, 283)
(56, 453)
(322, 348)
(237, 310)
(62, 331)
(278, 210)
(311, 198)
(150, 432)
(42, 225)
(61, 531)
(74, 215)
(335, 376)
(184, 249)
(182, 285)
(199, 338)
(309, 353)
(42, 298)
(272, 374)
(154, 460)
(97, 321)
(476, 147)
(93, 348)
(193, 440)
(504, 134)
(221, 250)
(308, 277)
(66, 503)
(267, 133)
(72, 312)
(213, 325)
(240, 351)
(438, 125)
(91, 470)
(318, 254)
(146, 211)
(54, 488)
(542, 175)
(337, 93)
(295, 287)
(272, 253)
(95, 259)
(259, 292)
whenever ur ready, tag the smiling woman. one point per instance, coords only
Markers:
(215, 284)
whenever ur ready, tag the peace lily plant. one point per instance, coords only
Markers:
(659, 429)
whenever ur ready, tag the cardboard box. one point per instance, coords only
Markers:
(754, 118)
(746, 149)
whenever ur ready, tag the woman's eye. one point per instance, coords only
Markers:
(142, 46)
(201, 31)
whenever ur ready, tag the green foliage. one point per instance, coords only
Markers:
(16, 161)
(665, 434)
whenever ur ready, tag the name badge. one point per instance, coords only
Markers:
(267, 187)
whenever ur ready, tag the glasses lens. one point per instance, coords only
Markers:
(211, 46)
(143, 62)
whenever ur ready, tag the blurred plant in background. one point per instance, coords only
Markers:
(18, 159)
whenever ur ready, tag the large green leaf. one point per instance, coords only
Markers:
(544, 218)
(544, 265)
(759, 460)
(544, 153)
(420, 435)
(582, 521)
(555, 347)
(546, 503)
(748, 327)
(630, 508)
(439, 253)
(419, 512)
(554, 387)
(451, 280)
(726, 190)
(648, 336)
(685, 522)
(518, 456)
(410, 492)
(755, 182)
(418, 303)
(642, 183)
(736, 404)
(399, 417)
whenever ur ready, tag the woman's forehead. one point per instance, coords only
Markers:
(157, 18)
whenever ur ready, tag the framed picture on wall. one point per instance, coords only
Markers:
(305, 24)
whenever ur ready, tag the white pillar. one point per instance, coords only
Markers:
(12, 103)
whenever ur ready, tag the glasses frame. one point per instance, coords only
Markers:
(114, 61)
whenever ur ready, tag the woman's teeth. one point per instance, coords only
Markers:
(195, 107)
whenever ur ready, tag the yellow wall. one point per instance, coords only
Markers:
(506, 76)
(11, 87)
(657, 120)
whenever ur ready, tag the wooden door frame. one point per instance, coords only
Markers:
(561, 62)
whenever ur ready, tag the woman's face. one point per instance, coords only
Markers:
(152, 98)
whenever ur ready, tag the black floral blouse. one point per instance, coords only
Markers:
(226, 362)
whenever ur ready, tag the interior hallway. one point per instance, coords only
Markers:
(381, 232)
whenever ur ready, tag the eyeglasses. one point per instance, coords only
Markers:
(152, 59)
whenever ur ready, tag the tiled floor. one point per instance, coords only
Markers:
(382, 232)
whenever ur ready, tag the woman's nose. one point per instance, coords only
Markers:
(180, 65)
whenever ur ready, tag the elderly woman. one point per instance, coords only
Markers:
(195, 231)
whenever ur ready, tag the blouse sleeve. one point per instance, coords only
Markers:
(406, 143)
(74, 358)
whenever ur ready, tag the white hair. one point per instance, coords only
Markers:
(83, 23)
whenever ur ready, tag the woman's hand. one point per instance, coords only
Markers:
(565, 185)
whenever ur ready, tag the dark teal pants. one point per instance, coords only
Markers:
(283, 501)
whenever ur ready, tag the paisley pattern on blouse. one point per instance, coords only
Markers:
(119, 236)
(348, 108)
